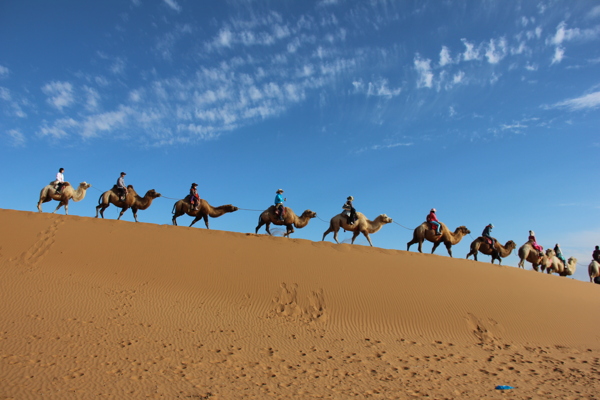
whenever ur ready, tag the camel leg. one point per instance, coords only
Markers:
(289, 229)
(260, 223)
(327, 232)
(100, 209)
(368, 237)
(449, 248)
(435, 246)
(60, 204)
(205, 216)
(472, 253)
(410, 244)
(174, 219)
(121, 213)
(354, 235)
(267, 226)
(195, 220)
(335, 233)
(39, 206)
(134, 211)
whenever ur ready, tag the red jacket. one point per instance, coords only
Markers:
(432, 217)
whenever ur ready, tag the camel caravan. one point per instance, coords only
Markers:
(432, 230)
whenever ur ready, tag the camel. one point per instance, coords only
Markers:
(269, 217)
(132, 200)
(555, 264)
(204, 211)
(424, 232)
(362, 225)
(498, 252)
(535, 257)
(48, 193)
(593, 270)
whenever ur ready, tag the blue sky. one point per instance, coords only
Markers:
(487, 111)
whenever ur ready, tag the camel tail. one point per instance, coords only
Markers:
(173, 210)
(100, 199)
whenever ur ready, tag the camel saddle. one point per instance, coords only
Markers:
(488, 240)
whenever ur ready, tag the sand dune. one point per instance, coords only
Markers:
(102, 308)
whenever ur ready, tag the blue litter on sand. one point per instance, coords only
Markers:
(504, 387)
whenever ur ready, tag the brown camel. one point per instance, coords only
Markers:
(593, 270)
(132, 200)
(498, 252)
(290, 221)
(204, 211)
(555, 264)
(535, 257)
(362, 225)
(424, 232)
(48, 193)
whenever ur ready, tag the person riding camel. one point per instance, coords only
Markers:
(121, 188)
(560, 255)
(279, 208)
(350, 211)
(535, 244)
(432, 219)
(596, 254)
(487, 233)
(60, 180)
(194, 196)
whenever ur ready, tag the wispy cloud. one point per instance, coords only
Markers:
(16, 137)
(425, 75)
(445, 57)
(60, 94)
(588, 101)
(3, 72)
(496, 50)
(173, 5)
(383, 147)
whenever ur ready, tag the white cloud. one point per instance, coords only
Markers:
(594, 12)
(531, 67)
(423, 68)
(384, 146)
(458, 77)
(92, 98)
(3, 72)
(94, 124)
(559, 54)
(60, 94)
(445, 57)
(5, 94)
(471, 53)
(380, 88)
(17, 138)
(495, 50)
(588, 101)
(59, 129)
(173, 5)
(563, 34)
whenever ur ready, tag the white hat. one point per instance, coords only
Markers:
(433, 210)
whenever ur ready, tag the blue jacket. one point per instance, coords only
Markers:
(487, 231)
(278, 198)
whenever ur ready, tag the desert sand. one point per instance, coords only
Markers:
(114, 309)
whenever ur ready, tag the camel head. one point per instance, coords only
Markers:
(550, 253)
(230, 208)
(85, 185)
(153, 194)
(384, 219)
(308, 214)
(462, 230)
(572, 261)
(510, 245)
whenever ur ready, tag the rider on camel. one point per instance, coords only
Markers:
(279, 208)
(194, 196)
(535, 244)
(432, 219)
(487, 233)
(350, 210)
(60, 180)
